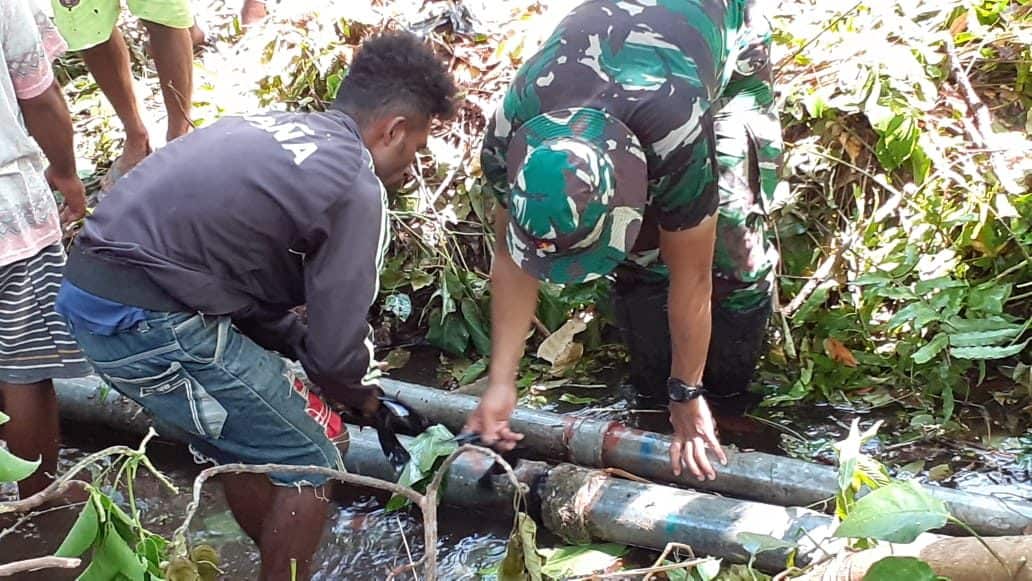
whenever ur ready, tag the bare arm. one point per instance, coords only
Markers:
(513, 301)
(689, 255)
(48, 122)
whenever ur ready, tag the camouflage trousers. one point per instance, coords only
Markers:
(748, 142)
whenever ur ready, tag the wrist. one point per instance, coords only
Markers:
(680, 391)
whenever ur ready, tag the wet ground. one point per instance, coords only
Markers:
(992, 455)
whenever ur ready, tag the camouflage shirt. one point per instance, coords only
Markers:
(658, 66)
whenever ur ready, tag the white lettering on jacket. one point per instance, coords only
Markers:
(291, 136)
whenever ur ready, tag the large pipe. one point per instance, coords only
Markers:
(753, 475)
(583, 505)
(579, 504)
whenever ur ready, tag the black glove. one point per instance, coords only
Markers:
(390, 419)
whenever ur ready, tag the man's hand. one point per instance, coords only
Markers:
(693, 433)
(491, 418)
(74, 192)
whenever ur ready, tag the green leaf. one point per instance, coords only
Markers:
(961, 325)
(450, 334)
(477, 328)
(987, 352)
(426, 450)
(577, 561)
(4, 418)
(942, 283)
(755, 543)
(119, 556)
(15, 469)
(810, 305)
(899, 568)
(706, 570)
(913, 312)
(989, 297)
(83, 532)
(521, 561)
(896, 513)
(947, 404)
(474, 371)
(897, 141)
(982, 338)
(930, 349)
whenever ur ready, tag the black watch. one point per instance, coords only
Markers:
(680, 391)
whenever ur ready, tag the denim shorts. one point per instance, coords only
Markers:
(205, 383)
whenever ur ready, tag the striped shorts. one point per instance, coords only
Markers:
(34, 341)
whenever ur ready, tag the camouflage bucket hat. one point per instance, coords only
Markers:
(578, 182)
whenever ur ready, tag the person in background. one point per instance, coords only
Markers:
(640, 143)
(35, 345)
(90, 26)
(180, 286)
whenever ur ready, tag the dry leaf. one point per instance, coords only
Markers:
(558, 343)
(839, 352)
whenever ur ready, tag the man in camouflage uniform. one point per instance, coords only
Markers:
(641, 128)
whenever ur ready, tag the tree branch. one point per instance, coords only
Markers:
(37, 564)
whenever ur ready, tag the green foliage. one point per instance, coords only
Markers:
(120, 546)
(899, 568)
(897, 513)
(931, 290)
(13, 468)
(427, 451)
(522, 561)
(580, 560)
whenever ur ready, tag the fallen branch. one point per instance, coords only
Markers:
(982, 134)
(831, 262)
(38, 564)
(427, 503)
(430, 507)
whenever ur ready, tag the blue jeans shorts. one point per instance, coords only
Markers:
(205, 383)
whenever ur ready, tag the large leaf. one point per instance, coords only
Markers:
(449, 334)
(989, 297)
(117, 555)
(962, 325)
(580, 560)
(897, 141)
(896, 513)
(426, 450)
(931, 349)
(14, 469)
(900, 568)
(987, 352)
(83, 533)
(521, 561)
(478, 330)
(981, 338)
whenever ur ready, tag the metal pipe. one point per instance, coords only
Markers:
(576, 503)
(90, 401)
(583, 505)
(751, 475)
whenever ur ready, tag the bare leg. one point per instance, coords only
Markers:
(109, 64)
(33, 431)
(173, 57)
(286, 523)
(249, 497)
(292, 531)
(252, 12)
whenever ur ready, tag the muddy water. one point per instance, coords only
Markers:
(361, 541)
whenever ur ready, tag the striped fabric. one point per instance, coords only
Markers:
(34, 341)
